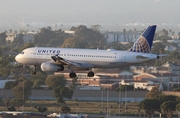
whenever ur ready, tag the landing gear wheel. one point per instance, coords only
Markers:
(72, 75)
(34, 73)
(90, 74)
(34, 70)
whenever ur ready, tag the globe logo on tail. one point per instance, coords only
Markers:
(144, 42)
(141, 45)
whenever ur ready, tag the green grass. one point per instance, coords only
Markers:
(83, 107)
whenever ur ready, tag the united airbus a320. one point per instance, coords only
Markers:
(56, 59)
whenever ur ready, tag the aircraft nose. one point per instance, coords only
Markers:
(17, 58)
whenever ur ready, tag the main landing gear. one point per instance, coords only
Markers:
(90, 74)
(33, 70)
(73, 74)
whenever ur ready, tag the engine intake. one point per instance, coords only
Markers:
(51, 67)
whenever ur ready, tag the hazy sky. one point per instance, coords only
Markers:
(108, 12)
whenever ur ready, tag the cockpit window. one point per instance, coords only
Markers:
(22, 53)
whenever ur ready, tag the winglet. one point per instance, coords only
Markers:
(144, 43)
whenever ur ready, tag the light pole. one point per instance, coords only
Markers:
(125, 97)
(102, 101)
(54, 107)
(33, 99)
(24, 69)
(76, 108)
(23, 95)
(119, 99)
(162, 80)
(107, 107)
(178, 80)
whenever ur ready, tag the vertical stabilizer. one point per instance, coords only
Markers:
(144, 42)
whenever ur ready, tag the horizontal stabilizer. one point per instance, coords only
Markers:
(161, 55)
(141, 57)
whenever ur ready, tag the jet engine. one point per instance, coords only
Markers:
(51, 67)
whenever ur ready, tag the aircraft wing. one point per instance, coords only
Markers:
(63, 61)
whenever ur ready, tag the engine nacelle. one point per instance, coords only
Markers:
(51, 67)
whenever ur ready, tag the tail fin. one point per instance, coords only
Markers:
(144, 43)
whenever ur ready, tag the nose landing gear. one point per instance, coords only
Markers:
(90, 74)
(34, 70)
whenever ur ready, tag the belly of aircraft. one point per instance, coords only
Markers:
(108, 64)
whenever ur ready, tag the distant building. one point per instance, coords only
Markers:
(147, 85)
(10, 37)
(143, 84)
(175, 37)
(153, 69)
(173, 67)
(111, 80)
(102, 80)
(3, 82)
(69, 32)
(128, 36)
(164, 78)
(170, 48)
(28, 37)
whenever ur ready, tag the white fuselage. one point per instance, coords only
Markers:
(98, 58)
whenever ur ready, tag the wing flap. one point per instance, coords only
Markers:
(63, 61)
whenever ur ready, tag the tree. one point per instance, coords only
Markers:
(173, 56)
(153, 92)
(62, 92)
(1, 101)
(54, 42)
(168, 108)
(165, 32)
(9, 85)
(47, 37)
(54, 81)
(22, 90)
(10, 31)
(85, 38)
(149, 106)
(66, 92)
(127, 87)
(4, 62)
(17, 102)
(44, 36)
(59, 90)
(164, 98)
(8, 104)
(41, 109)
(124, 33)
(178, 107)
(158, 48)
(74, 83)
(19, 40)
(65, 109)
(3, 38)
(38, 79)
(27, 45)
(69, 42)
(96, 27)
(37, 83)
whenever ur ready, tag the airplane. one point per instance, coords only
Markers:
(56, 59)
